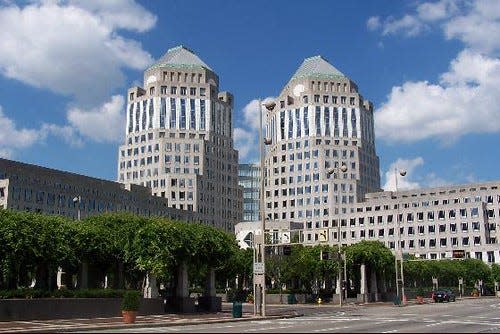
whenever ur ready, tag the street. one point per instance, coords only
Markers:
(467, 315)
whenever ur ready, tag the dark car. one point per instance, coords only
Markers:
(443, 296)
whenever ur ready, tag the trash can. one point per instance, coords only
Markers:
(397, 301)
(237, 309)
(292, 299)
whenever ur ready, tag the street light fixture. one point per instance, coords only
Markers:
(398, 253)
(259, 275)
(77, 199)
(343, 169)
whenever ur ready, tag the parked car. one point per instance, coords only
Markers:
(443, 296)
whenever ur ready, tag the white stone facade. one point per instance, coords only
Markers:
(179, 139)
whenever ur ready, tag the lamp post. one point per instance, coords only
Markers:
(259, 274)
(398, 253)
(78, 199)
(343, 169)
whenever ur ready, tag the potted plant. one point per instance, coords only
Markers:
(250, 298)
(130, 305)
(475, 292)
(420, 295)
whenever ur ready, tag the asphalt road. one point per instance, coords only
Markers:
(462, 316)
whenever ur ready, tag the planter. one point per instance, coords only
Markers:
(129, 316)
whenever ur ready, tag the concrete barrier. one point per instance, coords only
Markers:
(68, 308)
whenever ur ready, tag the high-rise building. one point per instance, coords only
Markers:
(320, 123)
(249, 180)
(179, 139)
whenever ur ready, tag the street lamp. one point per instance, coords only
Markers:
(77, 199)
(343, 169)
(259, 275)
(398, 252)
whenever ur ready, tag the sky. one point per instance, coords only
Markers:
(431, 69)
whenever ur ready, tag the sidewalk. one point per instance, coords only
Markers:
(160, 320)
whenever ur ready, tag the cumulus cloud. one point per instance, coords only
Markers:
(245, 143)
(402, 166)
(73, 48)
(12, 137)
(246, 138)
(102, 124)
(417, 22)
(463, 101)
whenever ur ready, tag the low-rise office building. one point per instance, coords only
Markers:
(27, 187)
(451, 222)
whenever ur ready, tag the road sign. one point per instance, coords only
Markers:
(258, 268)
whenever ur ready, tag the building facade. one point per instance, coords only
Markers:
(320, 123)
(179, 139)
(249, 180)
(33, 188)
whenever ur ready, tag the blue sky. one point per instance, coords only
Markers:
(431, 68)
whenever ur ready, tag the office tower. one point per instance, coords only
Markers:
(179, 139)
(249, 180)
(319, 124)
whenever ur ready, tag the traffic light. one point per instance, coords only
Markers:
(287, 250)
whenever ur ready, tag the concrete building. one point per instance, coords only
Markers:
(321, 123)
(179, 139)
(33, 188)
(249, 180)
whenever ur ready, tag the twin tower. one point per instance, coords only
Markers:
(179, 142)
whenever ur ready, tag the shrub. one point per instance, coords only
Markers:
(131, 300)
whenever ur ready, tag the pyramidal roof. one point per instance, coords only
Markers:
(317, 67)
(180, 56)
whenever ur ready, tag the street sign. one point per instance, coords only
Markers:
(258, 268)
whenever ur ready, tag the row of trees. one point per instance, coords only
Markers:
(125, 248)
(122, 246)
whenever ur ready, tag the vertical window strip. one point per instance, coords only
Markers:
(151, 113)
(131, 118)
(137, 115)
(306, 122)
(163, 112)
(297, 123)
(192, 116)
(318, 121)
(172, 113)
(327, 121)
(144, 115)
(182, 120)
(202, 114)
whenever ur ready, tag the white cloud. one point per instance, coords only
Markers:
(67, 133)
(102, 124)
(251, 112)
(373, 23)
(403, 182)
(124, 14)
(479, 28)
(72, 47)
(13, 138)
(463, 103)
(245, 143)
(246, 138)
(408, 24)
(434, 11)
